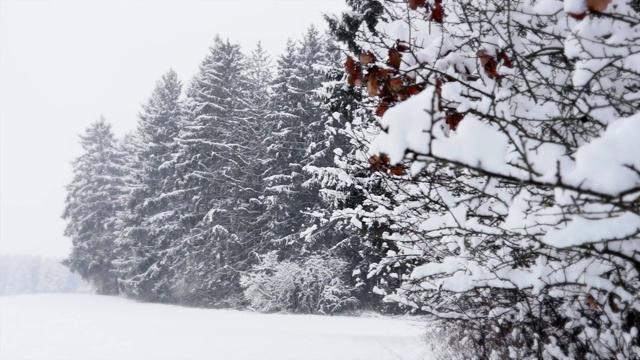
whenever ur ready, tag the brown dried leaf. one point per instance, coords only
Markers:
(598, 5)
(395, 57)
(579, 16)
(350, 65)
(384, 73)
(489, 64)
(612, 303)
(414, 90)
(437, 13)
(375, 162)
(414, 4)
(453, 119)
(409, 79)
(505, 59)
(367, 58)
(395, 85)
(354, 79)
(382, 108)
(372, 84)
(397, 170)
(401, 47)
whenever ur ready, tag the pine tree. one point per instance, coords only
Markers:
(250, 158)
(293, 140)
(145, 239)
(208, 160)
(92, 203)
(342, 180)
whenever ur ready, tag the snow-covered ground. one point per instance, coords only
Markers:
(87, 327)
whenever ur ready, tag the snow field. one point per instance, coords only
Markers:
(88, 327)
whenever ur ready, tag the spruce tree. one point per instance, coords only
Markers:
(293, 139)
(143, 262)
(342, 180)
(250, 158)
(93, 200)
(207, 162)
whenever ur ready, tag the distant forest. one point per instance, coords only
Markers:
(21, 274)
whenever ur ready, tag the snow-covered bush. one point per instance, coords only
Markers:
(510, 157)
(313, 286)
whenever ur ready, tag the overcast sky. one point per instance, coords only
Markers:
(64, 63)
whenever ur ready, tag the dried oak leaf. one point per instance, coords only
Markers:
(453, 119)
(384, 73)
(414, 89)
(489, 64)
(375, 163)
(367, 58)
(379, 163)
(372, 84)
(401, 47)
(395, 85)
(397, 170)
(414, 4)
(505, 59)
(354, 79)
(374, 71)
(598, 5)
(350, 65)
(437, 13)
(355, 72)
(395, 57)
(382, 108)
(579, 16)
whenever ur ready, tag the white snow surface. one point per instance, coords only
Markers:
(88, 327)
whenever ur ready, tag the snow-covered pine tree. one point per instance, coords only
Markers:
(249, 158)
(146, 236)
(293, 141)
(259, 75)
(210, 157)
(342, 174)
(283, 104)
(299, 145)
(93, 200)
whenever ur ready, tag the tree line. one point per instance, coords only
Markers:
(22, 274)
(211, 200)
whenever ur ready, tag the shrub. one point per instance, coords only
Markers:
(313, 286)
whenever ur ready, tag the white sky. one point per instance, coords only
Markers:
(64, 63)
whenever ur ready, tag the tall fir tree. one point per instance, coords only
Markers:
(293, 139)
(250, 159)
(207, 159)
(93, 200)
(343, 177)
(145, 240)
